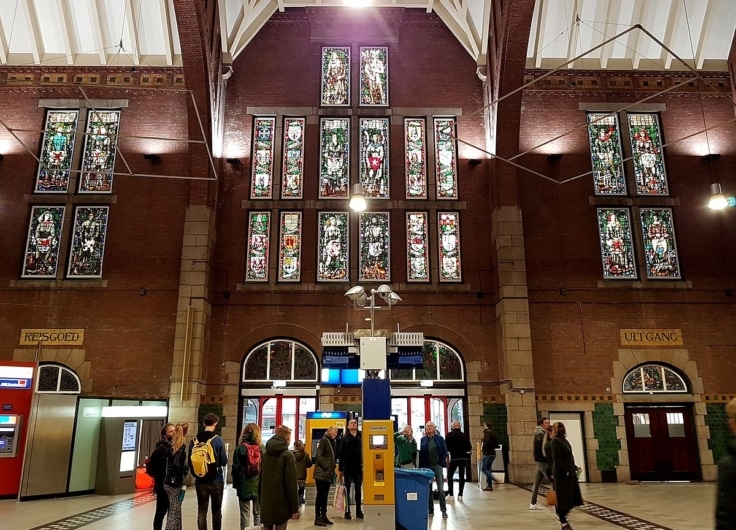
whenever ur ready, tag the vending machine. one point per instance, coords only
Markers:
(316, 426)
(16, 398)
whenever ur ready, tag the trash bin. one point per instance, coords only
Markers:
(412, 488)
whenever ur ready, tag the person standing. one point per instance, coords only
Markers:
(488, 450)
(351, 467)
(303, 462)
(406, 448)
(542, 458)
(324, 470)
(244, 480)
(210, 488)
(277, 484)
(433, 455)
(157, 464)
(565, 474)
(459, 446)
(176, 469)
(726, 496)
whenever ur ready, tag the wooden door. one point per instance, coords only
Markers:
(662, 443)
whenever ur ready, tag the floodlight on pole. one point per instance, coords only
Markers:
(368, 303)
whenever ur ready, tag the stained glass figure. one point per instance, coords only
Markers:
(290, 249)
(334, 158)
(617, 249)
(256, 364)
(88, 242)
(333, 248)
(445, 158)
(654, 378)
(428, 371)
(261, 180)
(374, 76)
(450, 366)
(417, 247)
(100, 147)
(279, 360)
(605, 152)
(293, 159)
(44, 240)
(259, 232)
(375, 249)
(57, 151)
(336, 76)
(646, 149)
(660, 250)
(305, 365)
(415, 162)
(448, 224)
(374, 164)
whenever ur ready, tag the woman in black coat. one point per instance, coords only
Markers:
(565, 475)
(324, 471)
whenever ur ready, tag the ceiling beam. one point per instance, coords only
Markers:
(132, 22)
(699, 57)
(673, 21)
(98, 30)
(68, 31)
(612, 16)
(257, 14)
(574, 26)
(3, 47)
(639, 15)
(459, 27)
(168, 33)
(485, 34)
(34, 32)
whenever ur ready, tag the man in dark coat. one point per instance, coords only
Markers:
(351, 466)
(542, 459)
(157, 462)
(277, 486)
(459, 446)
(726, 498)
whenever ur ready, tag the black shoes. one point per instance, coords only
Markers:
(347, 516)
(327, 521)
(359, 515)
(319, 522)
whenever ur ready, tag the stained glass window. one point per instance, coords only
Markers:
(448, 225)
(660, 250)
(261, 180)
(440, 363)
(617, 251)
(375, 250)
(605, 152)
(100, 147)
(646, 149)
(415, 149)
(88, 242)
(333, 248)
(336, 76)
(259, 231)
(290, 249)
(57, 379)
(57, 151)
(374, 163)
(654, 378)
(280, 359)
(334, 165)
(293, 158)
(445, 158)
(44, 240)
(417, 247)
(374, 76)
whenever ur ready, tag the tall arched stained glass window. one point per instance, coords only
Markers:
(654, 378)
(281, 359)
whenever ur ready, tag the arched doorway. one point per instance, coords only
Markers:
(278, 386)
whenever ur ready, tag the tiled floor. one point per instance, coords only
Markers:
(609, 506)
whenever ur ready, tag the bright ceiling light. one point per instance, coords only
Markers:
(357, 201)
(717, 200)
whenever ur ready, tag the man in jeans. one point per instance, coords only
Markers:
(542, 458)
(433, 455)
(211, 486)
(459, 446)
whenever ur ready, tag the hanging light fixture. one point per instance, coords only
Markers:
(357, 201)
(717, 200)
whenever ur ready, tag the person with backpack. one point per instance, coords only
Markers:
(303, 462)
(207, 456)
(156, 469)
(176, 469)
(246, 470)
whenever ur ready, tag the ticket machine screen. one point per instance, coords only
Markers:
(9, 434)
(378, 441)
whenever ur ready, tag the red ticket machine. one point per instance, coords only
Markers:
(16, 395)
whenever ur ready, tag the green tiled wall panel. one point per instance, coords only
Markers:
(497, 415)
(720, 434)
(204, 409)
(604, 430)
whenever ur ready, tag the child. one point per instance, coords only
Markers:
(303, 462)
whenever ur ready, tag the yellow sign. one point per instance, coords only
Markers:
(651, 337)
(52, 337)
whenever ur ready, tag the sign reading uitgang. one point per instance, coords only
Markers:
(52, 337)
(651, 337)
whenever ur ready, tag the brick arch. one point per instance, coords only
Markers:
(74, 359)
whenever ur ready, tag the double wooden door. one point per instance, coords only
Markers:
(662, 443)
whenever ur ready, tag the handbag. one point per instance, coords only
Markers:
(339, 502)
(551, 498)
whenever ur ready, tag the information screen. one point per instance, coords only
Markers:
(378, 441)
(130, 430)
